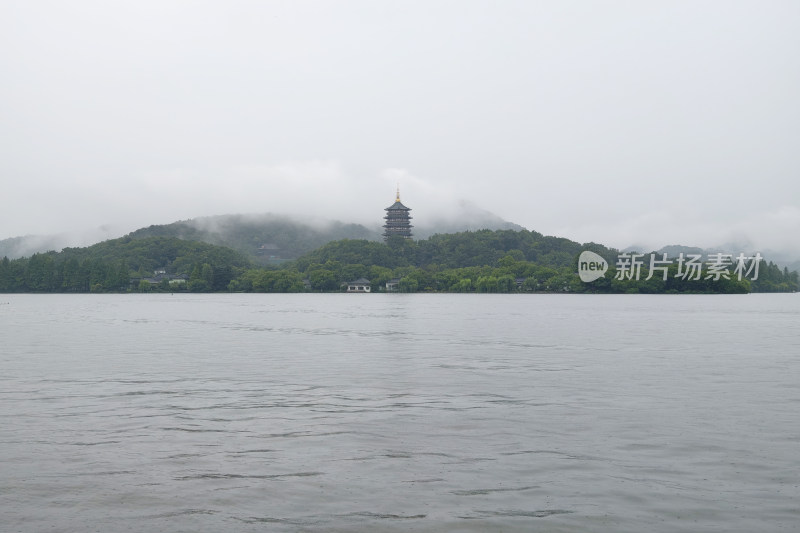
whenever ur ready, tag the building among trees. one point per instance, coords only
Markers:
(359, 285)
(397, 220)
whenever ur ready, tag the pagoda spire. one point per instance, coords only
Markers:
(398, 193)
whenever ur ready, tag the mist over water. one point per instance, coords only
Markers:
(391, 412)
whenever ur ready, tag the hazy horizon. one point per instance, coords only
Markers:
(623, 124)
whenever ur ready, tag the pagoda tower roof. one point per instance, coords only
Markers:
(397, 205)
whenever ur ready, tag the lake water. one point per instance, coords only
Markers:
(392, 412)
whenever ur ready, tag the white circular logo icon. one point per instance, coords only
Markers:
(591, 266)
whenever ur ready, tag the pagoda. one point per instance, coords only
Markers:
(397, 220)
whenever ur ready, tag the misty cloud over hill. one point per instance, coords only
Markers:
(27, 245)
(467, 217)
(267, 237)
(273, 238)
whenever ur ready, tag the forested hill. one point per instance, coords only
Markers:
(265, 238)
(493, 261)
(273, 239)
(480, 261)
(458, 250)
(119, 264)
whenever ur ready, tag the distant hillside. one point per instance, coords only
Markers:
(458, 250)
(674, 250)
(23, 246)
(265, 238)
(776, 272)
(786, 261)
(150, 253)
(485, 261)
(114, 264)
(782, 260)
(480, 261)
(468, 217)
(271, 239)
(16, 247)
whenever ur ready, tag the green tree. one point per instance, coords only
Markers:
(407, 284)
(486, 284)
(506, 283)
(323, 280)
(463, 285)
(39, 275)
(6, 275)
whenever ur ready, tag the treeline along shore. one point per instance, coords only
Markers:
(484, 261)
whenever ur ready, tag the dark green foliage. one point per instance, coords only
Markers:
(456, 250)
(772, 279)
(115, 265)
(177, 255)
(501, 261)
(673, 284)
(265, 280)
(483, 261)
(362, 252)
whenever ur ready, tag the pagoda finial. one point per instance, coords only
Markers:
(398, 192)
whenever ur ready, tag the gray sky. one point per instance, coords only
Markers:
(618, 122)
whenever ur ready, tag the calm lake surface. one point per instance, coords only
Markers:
(392, 412)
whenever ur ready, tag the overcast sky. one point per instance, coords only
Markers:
(616, 122)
